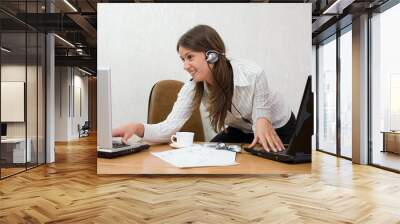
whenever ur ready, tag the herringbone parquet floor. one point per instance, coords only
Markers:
(70, 191)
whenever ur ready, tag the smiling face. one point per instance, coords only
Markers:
(196, 65)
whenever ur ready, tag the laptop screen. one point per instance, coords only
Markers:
(104, 127)
(301, 139)
(3, 129)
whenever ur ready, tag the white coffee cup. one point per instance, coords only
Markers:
(183, 138)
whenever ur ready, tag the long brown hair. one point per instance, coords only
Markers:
(202, 38)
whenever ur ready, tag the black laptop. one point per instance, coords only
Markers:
(299, 148)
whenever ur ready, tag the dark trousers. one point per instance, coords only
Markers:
(234, 135)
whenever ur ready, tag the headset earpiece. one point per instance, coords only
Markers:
(212, 56)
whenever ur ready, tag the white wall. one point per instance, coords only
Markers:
(67, 81)
(138, 43)
(80, 83)
(61, 103)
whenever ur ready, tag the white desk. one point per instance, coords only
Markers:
(18, 149)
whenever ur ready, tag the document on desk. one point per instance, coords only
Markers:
(197, 156)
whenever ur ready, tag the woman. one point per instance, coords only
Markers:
(242, 106)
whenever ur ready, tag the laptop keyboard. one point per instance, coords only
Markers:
(262, 150)
(117, 145)
(259, 151)
(282, 156)
(281, 152)
(121, 149)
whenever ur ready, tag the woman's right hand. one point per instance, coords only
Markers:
(126, 131)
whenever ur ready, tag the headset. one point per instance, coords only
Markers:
(212, 56)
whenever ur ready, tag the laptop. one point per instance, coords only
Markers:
(107, 147)
(3, 131)
(299, 148)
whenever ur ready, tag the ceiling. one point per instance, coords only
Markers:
(76, 22)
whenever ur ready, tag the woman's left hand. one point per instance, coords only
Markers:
(266, 136)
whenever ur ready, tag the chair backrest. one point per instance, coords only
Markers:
(162, 98)
(86, 125)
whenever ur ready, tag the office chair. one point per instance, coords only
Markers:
(162, 98)
(84, 130)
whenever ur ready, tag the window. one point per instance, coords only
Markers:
(385, 88)
(327, 96)
(346, 93)
(22, 66)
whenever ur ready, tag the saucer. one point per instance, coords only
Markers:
(177, 146)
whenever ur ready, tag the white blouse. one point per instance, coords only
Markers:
(252, 96)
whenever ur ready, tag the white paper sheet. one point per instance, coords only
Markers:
(197, 156)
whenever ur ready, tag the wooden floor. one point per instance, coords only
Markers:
(70, 191)
(10, 171)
